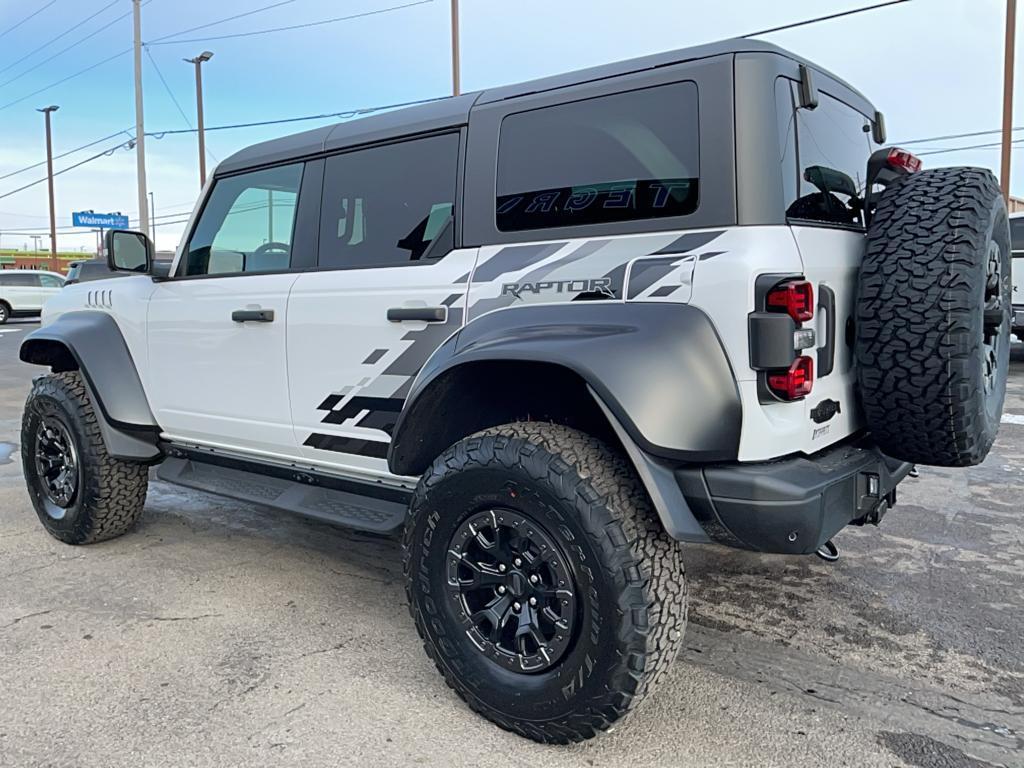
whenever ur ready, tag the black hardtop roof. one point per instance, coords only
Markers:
(454, 111)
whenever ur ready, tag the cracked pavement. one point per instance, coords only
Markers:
(219, 633)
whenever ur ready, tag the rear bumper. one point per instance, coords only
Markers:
(793, 505)
(1018, 316)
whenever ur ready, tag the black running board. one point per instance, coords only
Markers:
(352, 510)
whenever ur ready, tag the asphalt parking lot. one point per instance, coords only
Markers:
(223, 634)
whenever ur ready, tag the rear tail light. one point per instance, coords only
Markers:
(794, 383)
(900, 158)
(794, 297)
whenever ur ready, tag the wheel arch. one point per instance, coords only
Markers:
(91, 343)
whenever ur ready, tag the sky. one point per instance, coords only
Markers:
(934, 67)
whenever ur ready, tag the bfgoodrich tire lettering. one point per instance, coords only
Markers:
(109, 494)
(933, 317)
(627, 574)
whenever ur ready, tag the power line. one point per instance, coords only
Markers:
(65, 154)
(160, 134)
(220, 21)
(62, 51)
(53, 40)
(947, 150)
(27, 18)
(65, 79)
(124, 145)
(825, 18)
(304, 26)
(343, 115)
(952, 136)
(171, 94)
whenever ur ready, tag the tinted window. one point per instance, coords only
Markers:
(246, 224)
(384, 206)
(51, 281)
(1017, 234)
(825, 162)
(20, 280)
(614, 158)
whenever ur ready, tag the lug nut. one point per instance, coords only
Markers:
(533, 601)
(517, 605)
(517, 562)
(501, 590)
(534, 579)
(502, 567)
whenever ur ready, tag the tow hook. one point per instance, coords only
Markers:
(828, 552)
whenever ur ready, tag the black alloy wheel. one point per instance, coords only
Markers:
(57, 466)
(514, 590)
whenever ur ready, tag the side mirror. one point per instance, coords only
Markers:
(128, 251)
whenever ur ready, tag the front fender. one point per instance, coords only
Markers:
(660, 368)
(91, 343)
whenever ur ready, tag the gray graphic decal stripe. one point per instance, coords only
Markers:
(425, 341)
(512, 259)
(665, 290)
(688, 242)
(710, 255)
(646, 272)
(374, 356)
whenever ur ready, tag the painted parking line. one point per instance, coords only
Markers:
(1013, 418)
(11, 330)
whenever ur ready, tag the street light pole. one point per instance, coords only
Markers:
(152, 220)
(1011, 29)
(456, 85)
(140, 129)
(49, 178)
(198, 62)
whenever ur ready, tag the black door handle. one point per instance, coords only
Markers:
(424, 314)
(253, 316)
(827, 352)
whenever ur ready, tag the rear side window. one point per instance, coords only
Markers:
(246, 224)
(824, 156)
(20, 280)
(613, 158)
(384, 206)
(1017, 234)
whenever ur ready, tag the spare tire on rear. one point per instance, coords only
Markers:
(933, 317)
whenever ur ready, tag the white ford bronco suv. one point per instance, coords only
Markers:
(552, 330)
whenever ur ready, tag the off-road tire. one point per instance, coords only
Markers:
(111, 493)
(5, 312)
(921, 323)
(629, 572)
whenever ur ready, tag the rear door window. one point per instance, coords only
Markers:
(385, 206)
(824, 156)
(614, 158)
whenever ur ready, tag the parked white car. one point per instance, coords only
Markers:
(24, 291)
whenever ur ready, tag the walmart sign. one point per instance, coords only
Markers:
(102, 220)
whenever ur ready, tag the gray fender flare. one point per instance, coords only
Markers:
(92, 343)
(657, 370)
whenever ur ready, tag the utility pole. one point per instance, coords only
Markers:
(152, 220)
(198, 62)
(49, 178)
(140, 129)
(1011, 29)
(456, 85)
